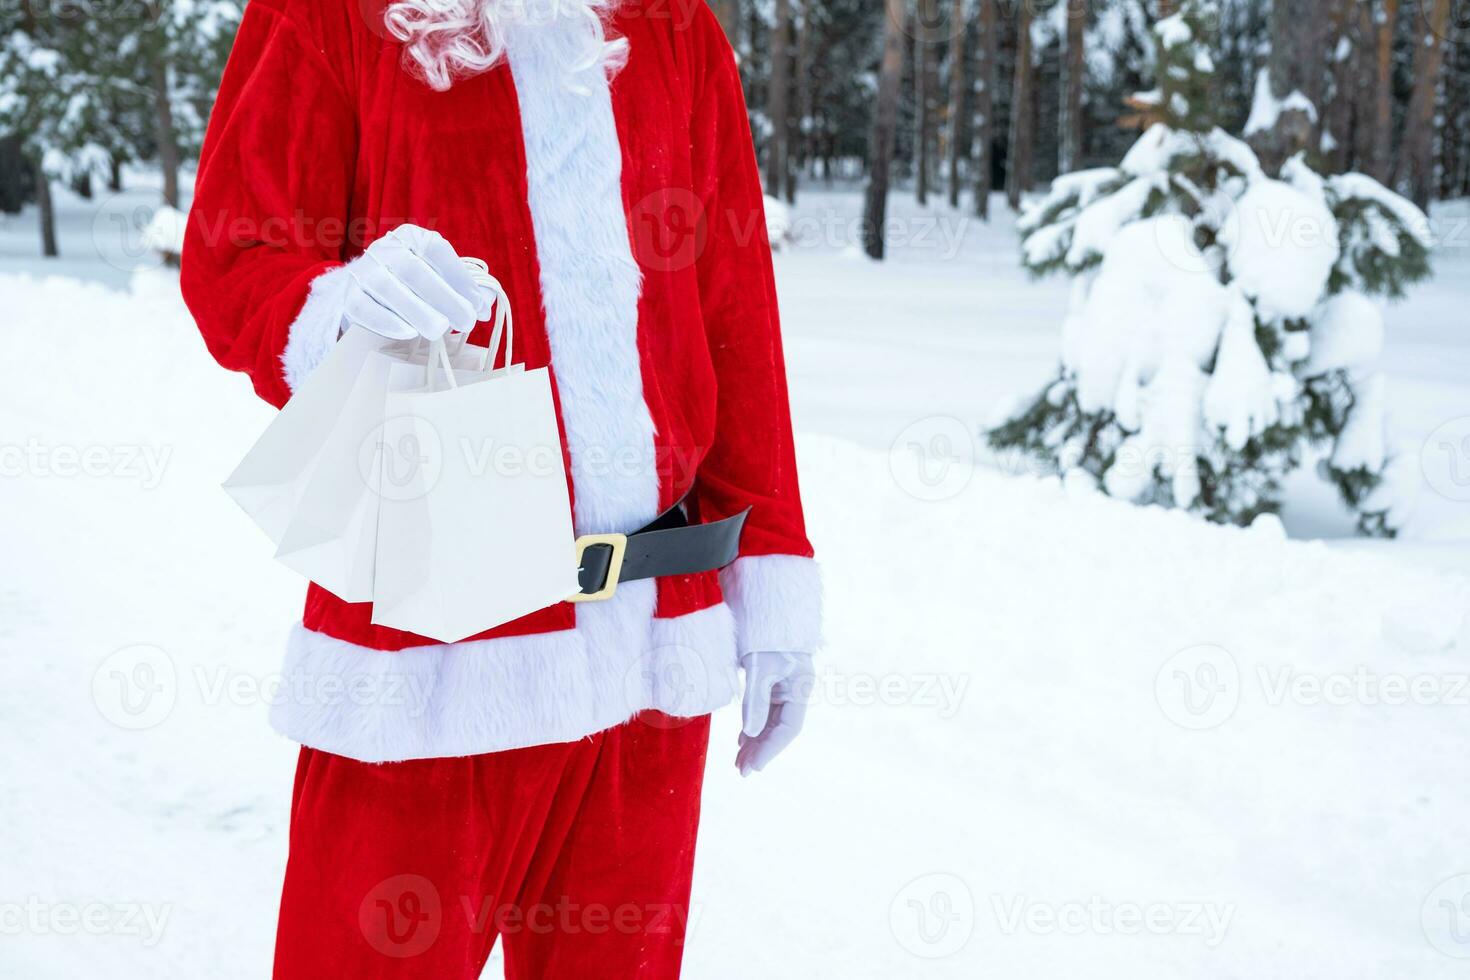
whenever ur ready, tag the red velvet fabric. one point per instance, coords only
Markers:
(578, 856)
(320, 143)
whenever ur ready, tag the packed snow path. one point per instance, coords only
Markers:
(1056, 735)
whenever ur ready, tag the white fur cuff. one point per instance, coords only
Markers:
(777, 601)
(316, 327)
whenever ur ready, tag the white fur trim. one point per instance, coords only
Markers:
(316, 327)
(479, 696)
(589, 280)
(777, 601)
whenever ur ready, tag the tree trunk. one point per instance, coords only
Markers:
(1069, 155)
(15, 176)
(959, 91)
(1295, 64)
(753, 24)
(1018, 172)
(926, 94)
(728, 13)
(1365, 91)
(163, 130)
(45, 212)
(885, 121)
(1337, 114)
(985, 72)
(115, 175)
(1455, 135)
(778, 101)
(1416, 163)
(1382, 167)
(804, 98)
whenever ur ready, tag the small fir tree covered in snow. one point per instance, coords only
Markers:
(1220, 327)
(82, 90)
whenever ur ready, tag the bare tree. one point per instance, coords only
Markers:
(985, 72)
(1416, 162)
(156, 51)
(1337, 113)
(885, 122)
(1364, 94)
(778, 103)
(1454, 162)
(959, 91)
(1382, 142)
(926, 94)
(46, 212)
(163, 121)
(728, 12)
(805, 96)
(1023, 116)
(1069, 147)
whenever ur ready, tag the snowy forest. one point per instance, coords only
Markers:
(950, 98)
(1096, 124)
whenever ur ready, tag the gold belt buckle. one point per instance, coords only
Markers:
(619, 545)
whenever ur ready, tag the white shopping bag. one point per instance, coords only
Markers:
(332, 535)
(474, 520)
(269, 481)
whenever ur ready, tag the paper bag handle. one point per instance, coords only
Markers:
(504, 326)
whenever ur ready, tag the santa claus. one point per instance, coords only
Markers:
(539, 783)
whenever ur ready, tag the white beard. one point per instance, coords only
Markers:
(446, 40)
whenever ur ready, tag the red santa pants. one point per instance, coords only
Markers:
(577, 855)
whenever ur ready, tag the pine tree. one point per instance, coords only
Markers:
(1221, 327)
(81, 90)
(50, 103)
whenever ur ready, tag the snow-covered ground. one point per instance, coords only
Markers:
(1057, 735)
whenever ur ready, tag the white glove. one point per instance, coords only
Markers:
(778, 687)
(411, 283)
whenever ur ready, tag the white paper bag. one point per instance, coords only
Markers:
(474, 522)
(332, 535)
(269, 481)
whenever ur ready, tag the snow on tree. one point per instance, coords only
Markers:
(48, 105)
(83, 88)
(1221, 328)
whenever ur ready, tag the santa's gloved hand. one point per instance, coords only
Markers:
(411, 283)
(777, 689)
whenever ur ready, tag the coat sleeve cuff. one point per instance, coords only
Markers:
(316, 327)
(777, 602)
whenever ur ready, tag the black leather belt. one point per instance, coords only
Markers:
(667, 545)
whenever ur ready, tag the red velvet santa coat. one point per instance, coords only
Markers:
(625, 220)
